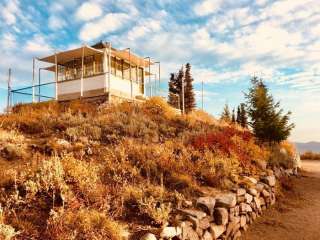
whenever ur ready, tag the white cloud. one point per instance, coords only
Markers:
(146, 27)
(8, 40)
(207, 7)
(9, 11)
(56, 22)
(38, 45)
(88, 11)
(109, 23)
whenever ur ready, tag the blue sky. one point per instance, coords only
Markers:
(226, 42)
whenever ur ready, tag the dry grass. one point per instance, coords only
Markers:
(93, 167)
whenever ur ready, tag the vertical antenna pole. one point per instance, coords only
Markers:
(202, 94)
(9, 90)
(130, 77)
(159, 80)
(150, 77)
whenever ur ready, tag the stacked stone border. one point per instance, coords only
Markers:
(226, 215)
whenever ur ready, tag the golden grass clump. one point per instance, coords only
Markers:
(83, 224)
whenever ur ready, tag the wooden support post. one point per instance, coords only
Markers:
(131, 84)
(33, 80)
(109, 76)
(82, 64)
(56, 73)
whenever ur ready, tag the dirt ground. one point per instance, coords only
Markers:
(296, 216)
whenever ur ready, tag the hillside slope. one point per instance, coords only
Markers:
(81, 171)
(308, 146)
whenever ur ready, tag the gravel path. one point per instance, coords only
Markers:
(297, 215)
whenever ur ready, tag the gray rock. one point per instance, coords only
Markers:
(226, 200)
(237, 235)
(188, 232)
(206, 204)
(248, 198)
(194, 213)
(240, 199)
(148, 236)
(265, 193)
(251, 179)
(170, 232)
(221, 216)
(204, 223)
(240, 191)
(257, 202)
(217, 230)
(243, 220)
(253, 191)
(207, 236)
(259, 187)
(270, 180)
(262, 201)
(244, 208)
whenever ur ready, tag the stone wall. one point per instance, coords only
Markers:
(226, 215)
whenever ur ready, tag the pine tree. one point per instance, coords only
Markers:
(173, 97)
(178, 84)
(225, 116)
(233, 118)
(243, 116)
(189, 96)
(268, 122)
(238, 115)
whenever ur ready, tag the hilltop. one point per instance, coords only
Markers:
(83, 171)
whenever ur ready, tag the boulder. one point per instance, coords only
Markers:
(194, 213)
(148, 236)
(240, 191)
(221, 216)
(226, 200)
(243, 220)
(248, 198)
(237, 235)
(251, 179)
(244, 208)
(206, 204)
(207, 236)
(188, 232)
(262, 201)
(253, 191)
(170, 232)
(217, 230)
(270, 180)
(265, 193)
(257, 202)
(240, 199)
(204, 223)
(259, 187)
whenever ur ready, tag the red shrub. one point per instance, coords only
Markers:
(222, 140)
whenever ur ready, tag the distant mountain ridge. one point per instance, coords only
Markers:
(308, 146)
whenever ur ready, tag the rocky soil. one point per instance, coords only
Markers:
(297, 215)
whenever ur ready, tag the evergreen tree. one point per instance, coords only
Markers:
(243, 116)
(189, 96)
(173, 98)
(233, 118)
(180, 77)
(225, 116)
(268, 122)
(238, 115)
